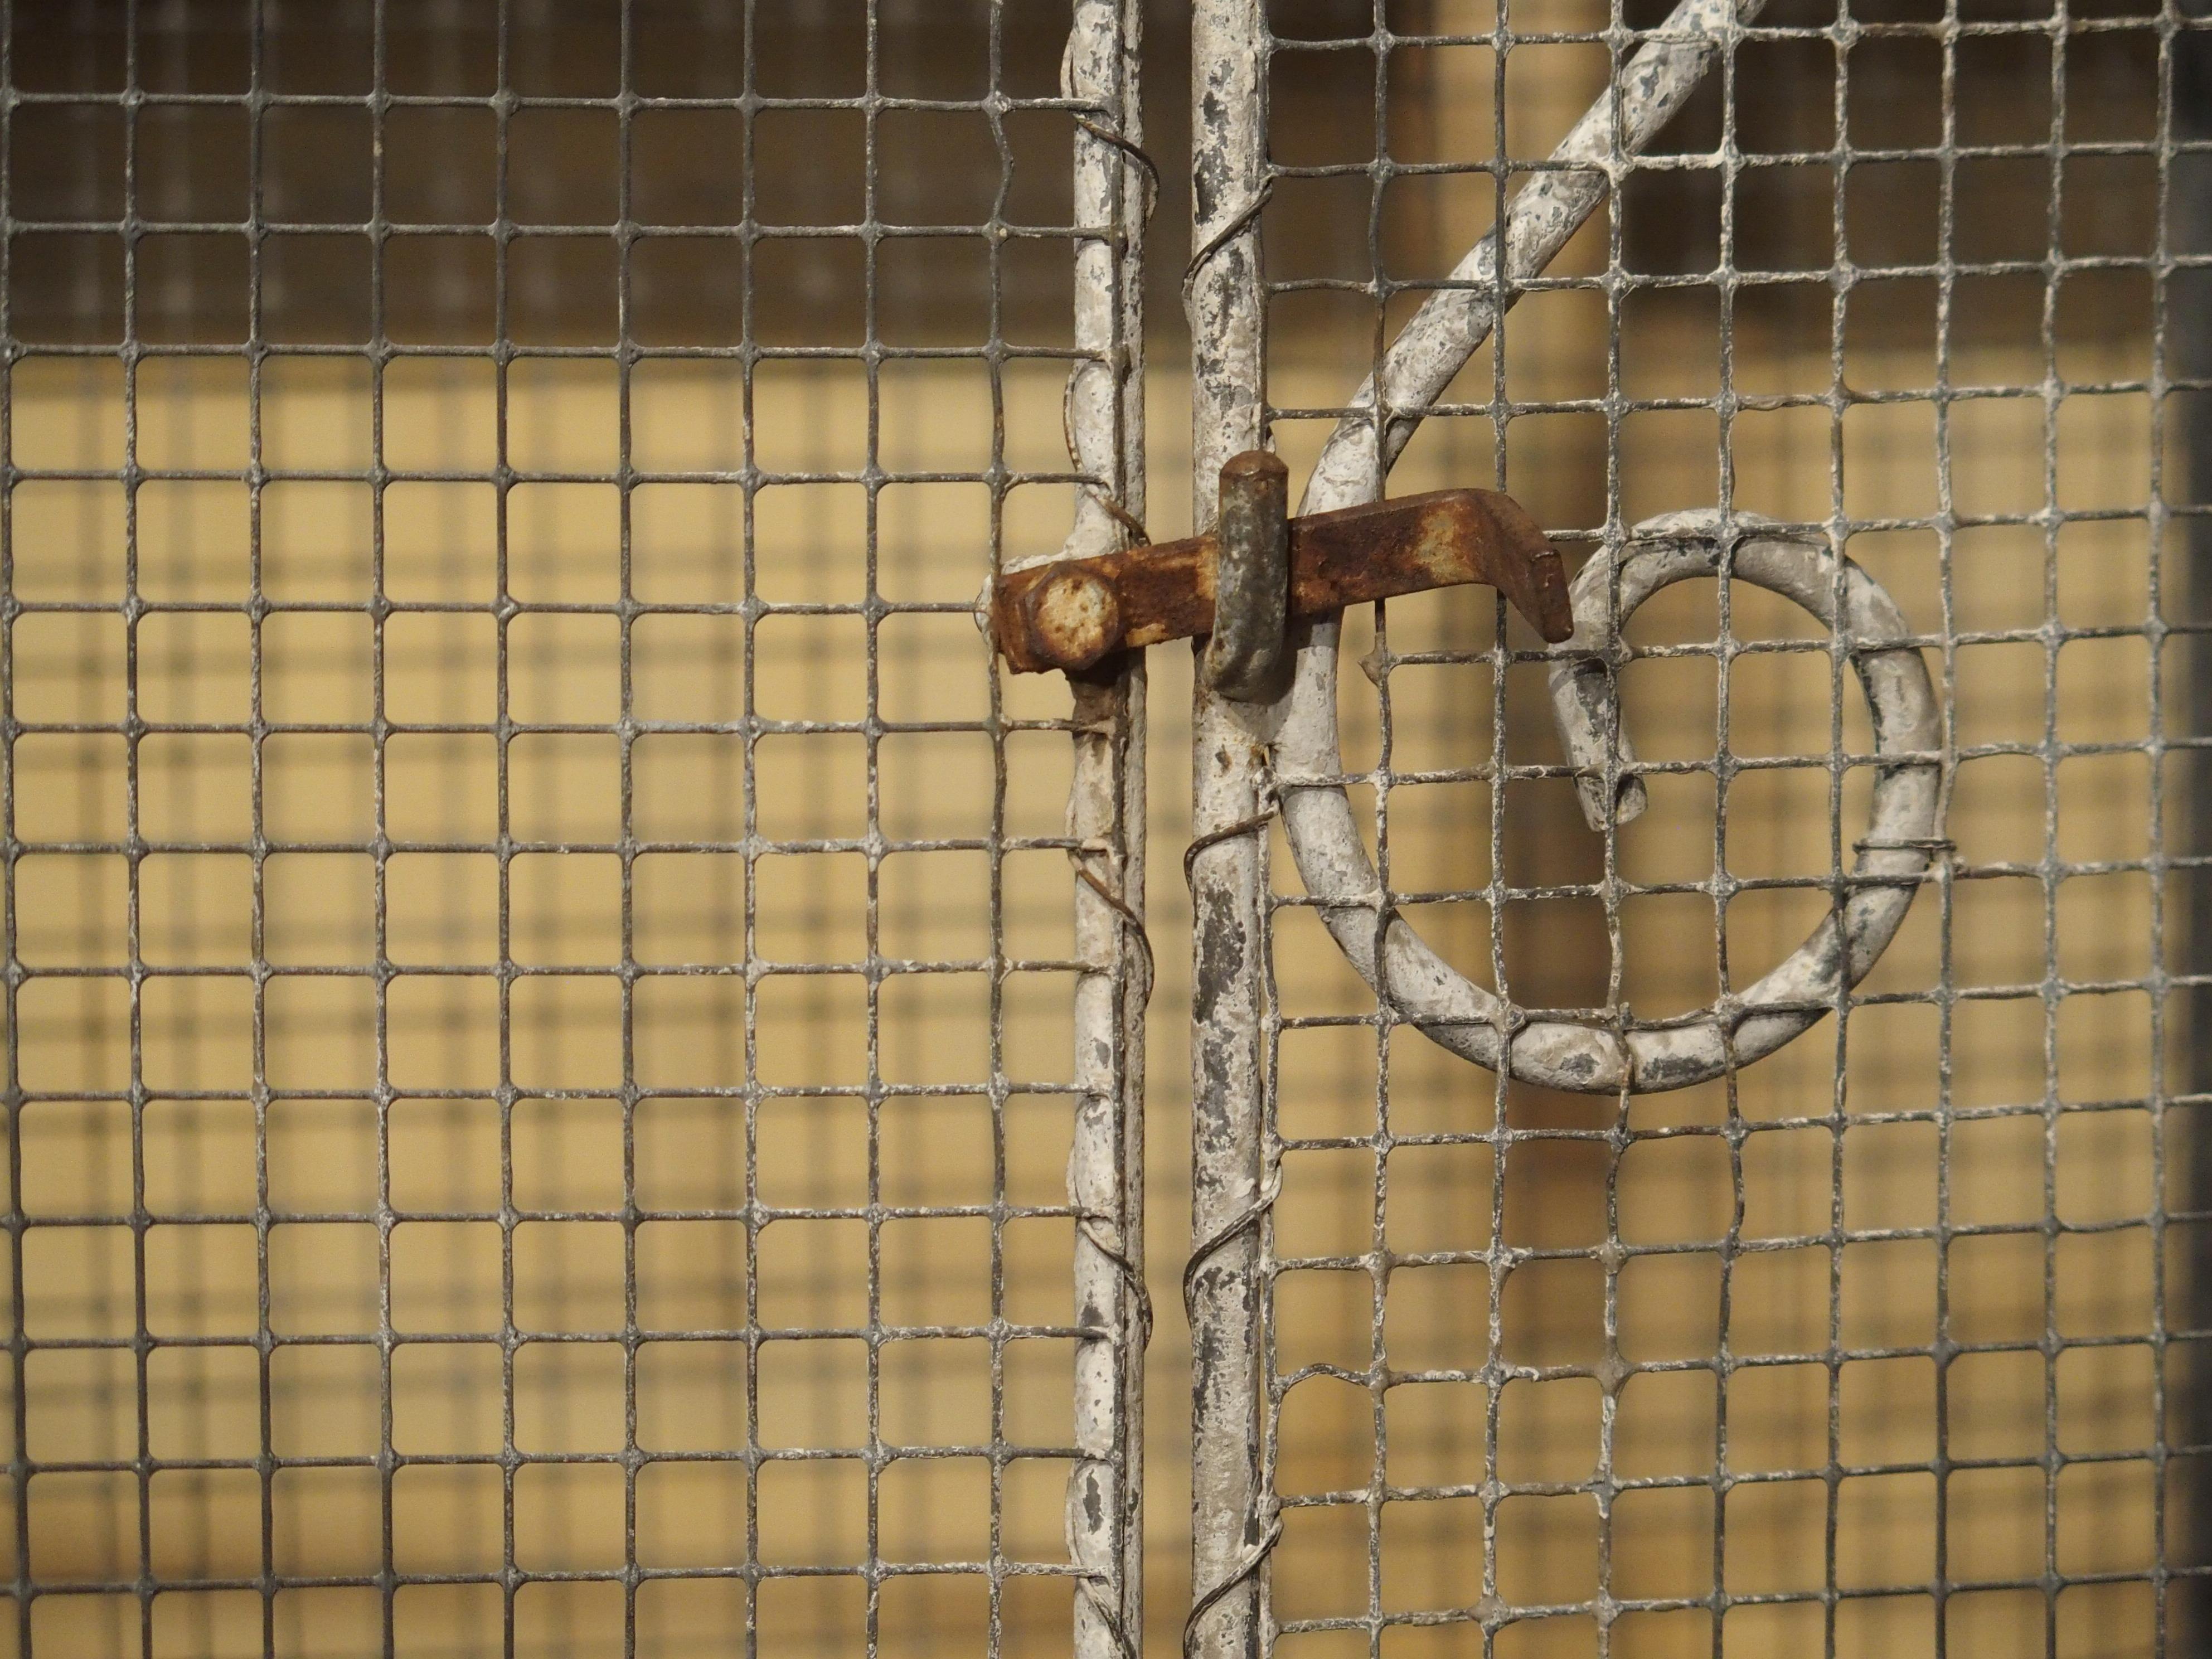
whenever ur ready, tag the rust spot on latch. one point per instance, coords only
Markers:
(1073, 614)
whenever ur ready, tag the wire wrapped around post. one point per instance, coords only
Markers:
(1103, 412)
(1226, 296)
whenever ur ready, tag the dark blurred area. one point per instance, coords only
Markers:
(421, 174)
(450, 216)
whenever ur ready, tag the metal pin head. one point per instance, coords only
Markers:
(1073, 618)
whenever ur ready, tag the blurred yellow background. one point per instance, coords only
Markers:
(324, 1161)
(423, 937)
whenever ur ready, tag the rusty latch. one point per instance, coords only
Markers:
(1073, 614)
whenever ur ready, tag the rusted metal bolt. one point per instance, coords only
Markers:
(1247, 657)
(1241, 582)
(1074, 618)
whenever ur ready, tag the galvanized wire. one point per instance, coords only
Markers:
(184, 1561)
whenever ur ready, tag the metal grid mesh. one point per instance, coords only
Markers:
(1886, 1344)
(539, 1029)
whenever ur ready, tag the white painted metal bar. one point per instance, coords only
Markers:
(1106, 819)
(1230, 1532)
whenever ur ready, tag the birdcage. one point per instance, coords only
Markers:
(588, 1052)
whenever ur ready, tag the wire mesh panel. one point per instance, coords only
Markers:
(543, 961)
(1886, 1343)
(540, 978)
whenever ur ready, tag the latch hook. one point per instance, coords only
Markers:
(1246, 581)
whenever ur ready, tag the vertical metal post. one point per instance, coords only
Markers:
(1106, 819)
(1228, 178)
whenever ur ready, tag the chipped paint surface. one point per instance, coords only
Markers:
(1455, 322)
(1872, 900)
(1223, 293)
(1105, 818)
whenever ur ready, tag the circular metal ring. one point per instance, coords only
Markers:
(1429, 993)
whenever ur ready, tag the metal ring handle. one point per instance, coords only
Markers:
(1747, 1026)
